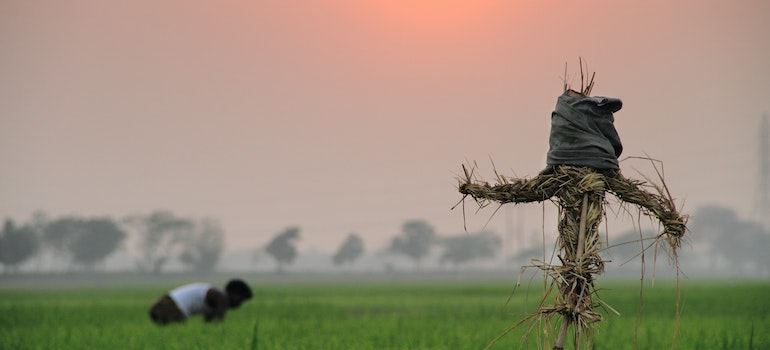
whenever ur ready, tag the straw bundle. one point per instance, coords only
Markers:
(580, 192)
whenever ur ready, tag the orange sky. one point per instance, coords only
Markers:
(354, 116)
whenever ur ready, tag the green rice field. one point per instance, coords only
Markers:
(381, 315)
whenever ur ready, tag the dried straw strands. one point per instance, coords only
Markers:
(580, 192)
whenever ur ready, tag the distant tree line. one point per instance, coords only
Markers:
(163, 237)
(85, 243)
(415, 242)
(726, 243)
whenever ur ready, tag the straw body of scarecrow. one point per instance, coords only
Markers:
(582, 166)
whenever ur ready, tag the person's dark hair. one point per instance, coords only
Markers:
(239, 287)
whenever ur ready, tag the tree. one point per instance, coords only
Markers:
(95, 240)
(282, 248)
(17, 245)
(463, 248)
(58, 233)
(741, 245)
(202, 250)
(350, 250)
(416, 238)
(85, 242)
(162, 235)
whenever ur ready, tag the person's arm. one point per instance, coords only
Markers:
(217, 302)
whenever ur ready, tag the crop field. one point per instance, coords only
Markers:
(382, 315)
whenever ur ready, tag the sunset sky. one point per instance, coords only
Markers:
(344, 116)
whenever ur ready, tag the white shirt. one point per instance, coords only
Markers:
(191, 298)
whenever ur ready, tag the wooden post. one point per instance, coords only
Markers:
(562, 333)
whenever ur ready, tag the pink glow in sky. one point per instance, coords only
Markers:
(354, 116)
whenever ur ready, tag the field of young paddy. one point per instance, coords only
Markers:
(381, 315)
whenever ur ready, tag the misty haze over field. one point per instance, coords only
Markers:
(346, 118)
(719, 244)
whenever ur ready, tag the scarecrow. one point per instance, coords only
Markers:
(582, 166)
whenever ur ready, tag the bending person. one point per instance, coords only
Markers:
(199, 299)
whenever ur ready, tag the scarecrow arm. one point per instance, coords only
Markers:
(536, 189)
(657, 205)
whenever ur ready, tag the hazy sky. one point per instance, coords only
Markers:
(347, 116)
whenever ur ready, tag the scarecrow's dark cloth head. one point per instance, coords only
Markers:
(583, 133)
